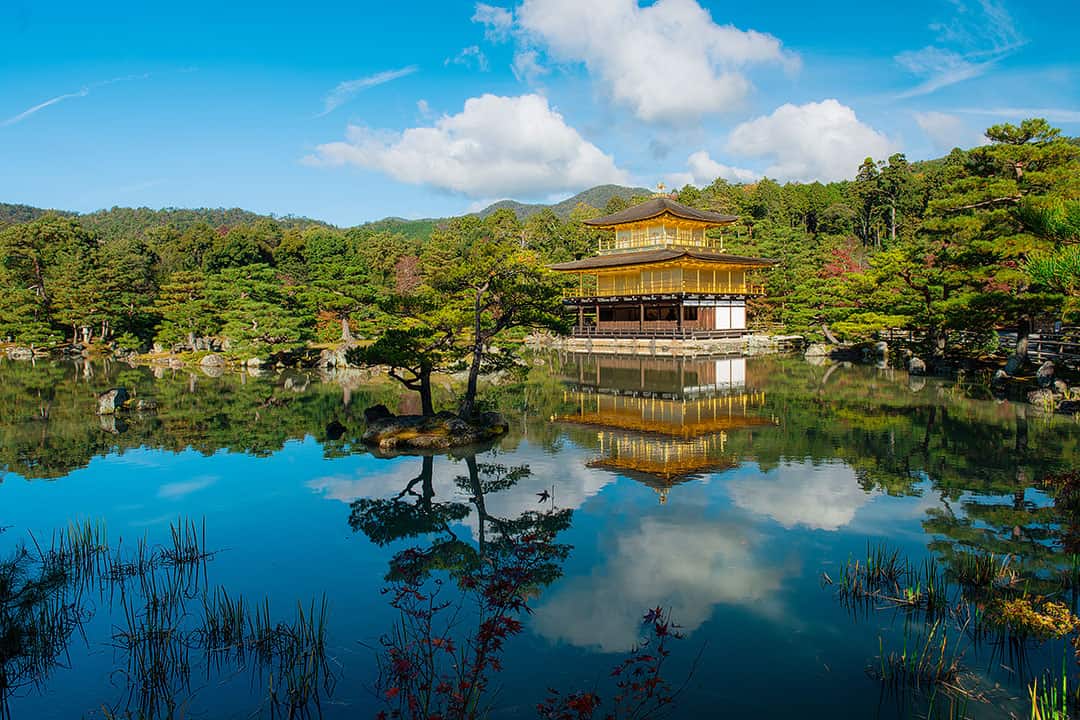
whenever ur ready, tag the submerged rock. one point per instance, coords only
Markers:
(212, 361)
(429, 432)
(818, 350)
(916, 366)
(112, 400)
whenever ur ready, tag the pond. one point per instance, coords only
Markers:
(708, 513)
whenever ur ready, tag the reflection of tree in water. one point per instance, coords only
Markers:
(426, 668)
(459, 601)
(49, 424)
(422, 666)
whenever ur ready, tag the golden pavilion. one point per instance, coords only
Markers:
(659, 275)
(660, 421)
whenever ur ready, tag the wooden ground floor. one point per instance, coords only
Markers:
(676, 317)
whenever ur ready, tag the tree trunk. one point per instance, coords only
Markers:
(940, 340)
(346, 333)
(1023, 332)
(892, 224)
(426, 406)
(468, 403)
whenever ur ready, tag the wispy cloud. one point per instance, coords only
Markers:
(68, 96)
(1053, 114)
(978, 37)
(468, 56)
(41, 106)
(346, 90)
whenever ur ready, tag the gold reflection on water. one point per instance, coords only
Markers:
(662, 441)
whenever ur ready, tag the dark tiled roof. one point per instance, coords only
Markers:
(657, 256)
(659, 206)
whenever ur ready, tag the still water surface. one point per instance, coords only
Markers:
(723, 490)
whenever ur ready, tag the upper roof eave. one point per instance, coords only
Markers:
(659, 206)
(598, 262)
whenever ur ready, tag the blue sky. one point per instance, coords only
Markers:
(353, 112)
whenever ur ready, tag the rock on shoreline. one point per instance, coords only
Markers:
(429, 432)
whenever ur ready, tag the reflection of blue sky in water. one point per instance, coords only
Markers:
(736, 555)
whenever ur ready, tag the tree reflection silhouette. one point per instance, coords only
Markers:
(439, 659)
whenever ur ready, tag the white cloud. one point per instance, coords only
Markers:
(817, 141)
(346, 90)
(496, 147)
(948, 131)
(980, 34)
(423, 107)
(687, 565)
(702, 170)
(468, 56)
(497, 21)
(667, 62)
(823, 497)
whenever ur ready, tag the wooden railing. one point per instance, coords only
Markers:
(676, 288)
(656, 333)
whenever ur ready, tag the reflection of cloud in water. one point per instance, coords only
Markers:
(180, 490)
(573, 483)
(688, 565)
(820, 497)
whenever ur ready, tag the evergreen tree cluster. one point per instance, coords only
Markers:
(982, 238)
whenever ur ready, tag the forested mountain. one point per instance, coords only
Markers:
(983, 238)
(12, 214)
(597, 197)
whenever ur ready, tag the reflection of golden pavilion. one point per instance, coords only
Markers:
(661, 421)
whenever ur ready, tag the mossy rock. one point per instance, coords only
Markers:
(432, 432)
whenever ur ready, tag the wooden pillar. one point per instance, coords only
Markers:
(581, 317)
(597, 316)
(680, 316)
(641, 317)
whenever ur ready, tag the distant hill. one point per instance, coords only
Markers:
(121, 221)
(13, 214)
(126, 221)
(598, 197)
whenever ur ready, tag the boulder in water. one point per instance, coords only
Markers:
(916, 366)
(1045, 374)
(376, 413)
(110, 401)
(1014, 364)
(434, 432)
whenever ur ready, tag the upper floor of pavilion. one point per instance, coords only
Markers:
(660, 223)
